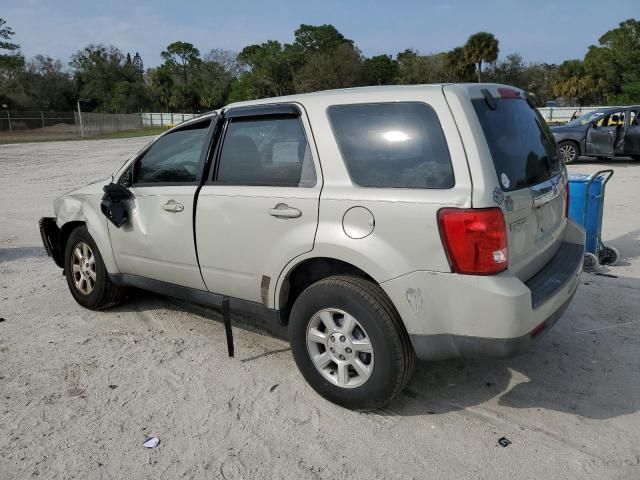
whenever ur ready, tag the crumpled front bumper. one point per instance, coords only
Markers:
(50, 234)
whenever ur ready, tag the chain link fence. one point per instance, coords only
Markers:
(166, 119)
(37, 125)
(63, 125)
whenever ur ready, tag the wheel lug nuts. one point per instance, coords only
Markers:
(348, 350)
(341, 357)
(342, 339)
(332, 350)
(332, 338)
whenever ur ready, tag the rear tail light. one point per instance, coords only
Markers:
(475, 239)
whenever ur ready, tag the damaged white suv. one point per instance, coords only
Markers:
(379, 224)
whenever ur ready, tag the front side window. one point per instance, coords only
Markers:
(174, 158)
(392, 145)
(267, 151)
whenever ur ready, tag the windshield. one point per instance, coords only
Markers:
(584, 119)
(522, 146)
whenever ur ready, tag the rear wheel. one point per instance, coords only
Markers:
(86, 274)
(569, 152)
(349, 342)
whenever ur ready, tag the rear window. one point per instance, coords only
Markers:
(522, 146)
(392, 145)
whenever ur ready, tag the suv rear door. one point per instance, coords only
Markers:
(632, 133)
(519, 170)
(259, 208)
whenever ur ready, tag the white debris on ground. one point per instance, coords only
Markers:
(79, 389)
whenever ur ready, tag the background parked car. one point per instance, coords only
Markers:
(607, 133)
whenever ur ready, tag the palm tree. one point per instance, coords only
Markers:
(481, 47)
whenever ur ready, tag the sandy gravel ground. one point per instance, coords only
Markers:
(79, 390)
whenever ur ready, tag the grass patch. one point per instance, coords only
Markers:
(138, 132)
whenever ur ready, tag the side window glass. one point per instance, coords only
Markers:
(268, 151)
(633, 118)
(614, 119)
(174, 158)
(392, 145)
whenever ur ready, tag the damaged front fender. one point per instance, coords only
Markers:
(83, 207)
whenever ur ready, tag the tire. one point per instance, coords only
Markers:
(338, 301)
(569, 151)
(608, 255)
(591, 262)
(87, 277)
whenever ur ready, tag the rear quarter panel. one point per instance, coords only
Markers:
(405, 236)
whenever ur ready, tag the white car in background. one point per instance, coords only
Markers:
(378, 223)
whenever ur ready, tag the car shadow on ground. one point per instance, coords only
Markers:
(586, 366)
(9, 254)
(629, 247)
(618, 161)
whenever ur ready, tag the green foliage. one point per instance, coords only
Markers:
(325, 70)
(319, 57)
(415, 68)
(481, 47)
(181, 58)
(379, 70)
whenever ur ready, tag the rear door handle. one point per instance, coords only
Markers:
(282, 210)
(173, 206)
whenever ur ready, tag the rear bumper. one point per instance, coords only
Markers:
(438, 347)
(50, 234)
(449, 315)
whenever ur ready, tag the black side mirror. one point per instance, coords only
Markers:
(113, 203)
(126, 180)
(594, 124)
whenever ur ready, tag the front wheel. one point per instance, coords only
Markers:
(349, 342)
(569, 152)
(86, 274)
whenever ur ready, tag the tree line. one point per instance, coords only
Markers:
(106, 79)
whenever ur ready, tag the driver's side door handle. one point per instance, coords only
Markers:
(173, 206)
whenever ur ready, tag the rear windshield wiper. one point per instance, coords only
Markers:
(489, 99)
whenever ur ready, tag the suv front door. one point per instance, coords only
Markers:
(157, 242)
(259, 209)
(602, 134)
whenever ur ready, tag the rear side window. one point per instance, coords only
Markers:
(522, 146)
(392, 145)
(267, 151)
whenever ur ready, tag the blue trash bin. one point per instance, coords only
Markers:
(586, 204)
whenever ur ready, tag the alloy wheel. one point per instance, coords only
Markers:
(340, 348)
(568, 152)
(83, 268)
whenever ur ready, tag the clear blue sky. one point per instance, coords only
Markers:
(540, 30)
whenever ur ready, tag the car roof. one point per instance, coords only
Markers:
(338, 93)
(614, 109)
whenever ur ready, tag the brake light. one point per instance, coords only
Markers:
(508, 93)
(475, 239)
